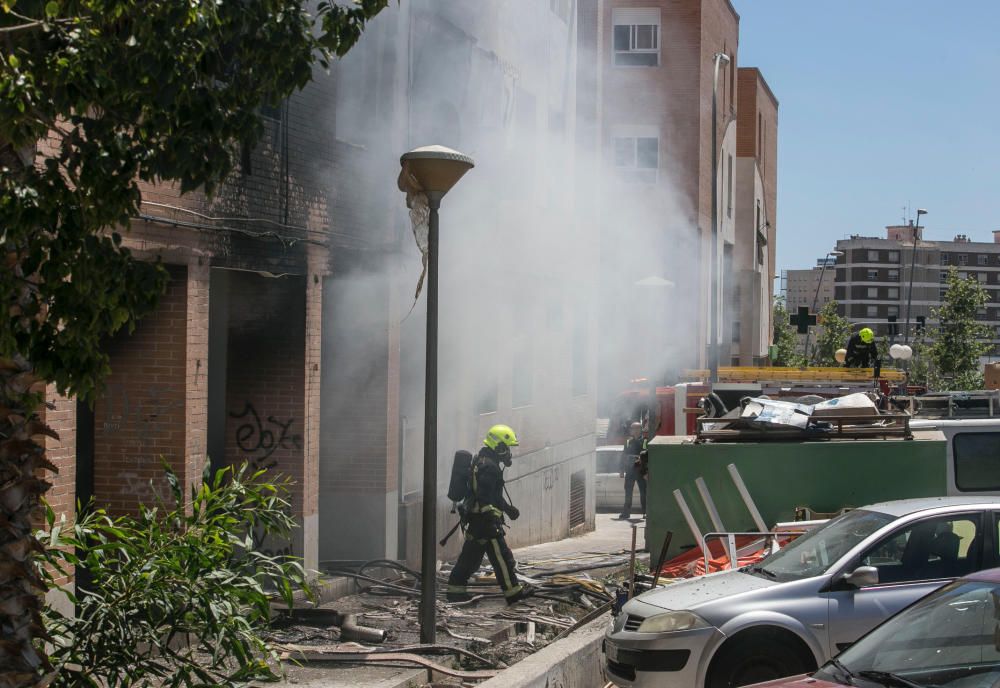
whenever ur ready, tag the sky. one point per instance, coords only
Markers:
(883, 104)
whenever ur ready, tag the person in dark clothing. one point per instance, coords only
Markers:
(483, 512)
(631, 469)
(862, 351)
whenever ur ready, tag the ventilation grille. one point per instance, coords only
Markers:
(577, 499)
(632, 623)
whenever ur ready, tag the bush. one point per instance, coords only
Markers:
(177, 596)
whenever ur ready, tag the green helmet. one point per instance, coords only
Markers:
(500, 434)
(867, 336)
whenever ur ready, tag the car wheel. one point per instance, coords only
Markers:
(762, 657)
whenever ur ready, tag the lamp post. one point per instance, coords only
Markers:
(913, 265)
(431, 170)
(816, 296)
(713, 345)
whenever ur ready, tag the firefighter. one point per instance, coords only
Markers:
(862, 351)
(484, 511)
(631, 468)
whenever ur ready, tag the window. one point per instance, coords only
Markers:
(637, 158)
(871, 311)
(982, 259)
(943, 275)
(636, 37)
(893, 292)
(935, 548)
(963, 275)
(893, 256)
(872, 292)
(873, 256)
(893, 311)
(736, 332)
(981, 276)
(942, 293)
(945, 259)
(963, 258)
(873, 274)
(893, 275)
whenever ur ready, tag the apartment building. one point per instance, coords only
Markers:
(874, 278)
(755, 177)
(801, 286)
(653, 136)
(286, 336)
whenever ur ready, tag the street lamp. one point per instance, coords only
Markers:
(431, 170)
(913, 265)
(713, 346)
(819, 284)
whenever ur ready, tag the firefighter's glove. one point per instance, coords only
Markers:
(513, 512)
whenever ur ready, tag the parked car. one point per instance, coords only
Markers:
(609, 486)
(793, 610)
(951, 638)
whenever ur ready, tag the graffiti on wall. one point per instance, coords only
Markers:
(259, 439)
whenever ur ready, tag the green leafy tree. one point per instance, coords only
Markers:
(176, 572)
(786, 344)
(836, 332)
(97, 96)
(959, 336)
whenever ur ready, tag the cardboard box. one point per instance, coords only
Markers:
(992, 374)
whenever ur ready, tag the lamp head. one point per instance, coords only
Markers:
(722, 58)
(432, 170)
(835, 253)
(921, 211)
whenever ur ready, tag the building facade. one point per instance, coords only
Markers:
(291, 336)
(756, 199)
(875, 274)
(803, 287)
(653, 133)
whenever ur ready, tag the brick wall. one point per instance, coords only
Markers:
(62, 453)
(141, 416)
(266, 373)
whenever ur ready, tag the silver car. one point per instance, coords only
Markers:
(802, 605)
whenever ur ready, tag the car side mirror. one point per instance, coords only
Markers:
(862, 577)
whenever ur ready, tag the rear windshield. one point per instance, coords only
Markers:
(816, 551)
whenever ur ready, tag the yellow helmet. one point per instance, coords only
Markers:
(867, 336)
(500, 434)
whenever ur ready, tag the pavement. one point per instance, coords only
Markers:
(607, 545)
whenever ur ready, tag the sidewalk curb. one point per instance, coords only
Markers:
(574, 661)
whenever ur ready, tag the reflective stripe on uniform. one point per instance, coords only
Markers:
(506, 582)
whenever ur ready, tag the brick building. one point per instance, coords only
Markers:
(285, 337)
(756, 182)
(874, 275)
(653, 132)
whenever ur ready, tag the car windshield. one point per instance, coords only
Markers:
(949, 638)
(813, 553)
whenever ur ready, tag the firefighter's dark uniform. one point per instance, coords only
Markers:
(484, 531)
(631, 466)
(861, 355)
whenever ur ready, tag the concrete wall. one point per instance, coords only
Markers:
(575, 661)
